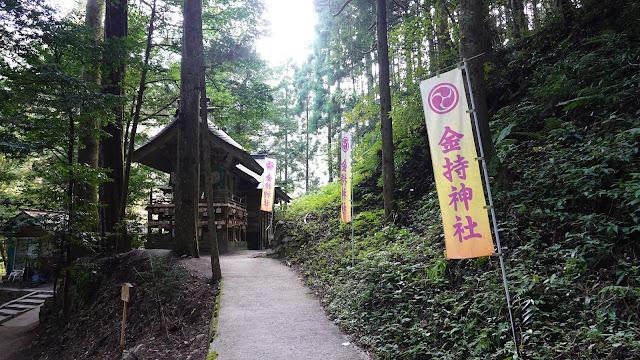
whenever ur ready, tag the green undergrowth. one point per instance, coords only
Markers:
(567, 132)
(403, 300)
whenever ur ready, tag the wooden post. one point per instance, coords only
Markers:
(149, 215)
(223, 242)
(124, 296)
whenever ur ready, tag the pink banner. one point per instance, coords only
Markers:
(268, 185)
(345, 178)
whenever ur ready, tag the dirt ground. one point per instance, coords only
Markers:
(168, 314)
(15, 338)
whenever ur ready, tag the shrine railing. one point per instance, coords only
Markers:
(230, 210)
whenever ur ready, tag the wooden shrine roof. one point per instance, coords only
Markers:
(160, 152)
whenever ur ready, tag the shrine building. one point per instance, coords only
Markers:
(237, 190)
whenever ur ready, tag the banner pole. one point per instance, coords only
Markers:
(353, 246)
(493, 212)
(271, 229)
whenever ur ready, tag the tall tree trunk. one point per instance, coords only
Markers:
(518, 17)
(186, 194)
(205, 157)
(286, 156)
(113, 145)
(336, 109)
(433, 36)
(407, 79)
(136, 115)
(420, 37)
(536, 13)
(352, 64)
(3, 254)
(445, 44)
(369, 73)
(388, 167)
(68, 235)
(565, 9)
(286, 131)
(329, 140)
(476, 40)
(306, 175)
(88, 154)
(329, 107)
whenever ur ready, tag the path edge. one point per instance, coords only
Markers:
(213, 324)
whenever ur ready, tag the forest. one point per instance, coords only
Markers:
(556, 86)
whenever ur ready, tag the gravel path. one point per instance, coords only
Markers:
(266, 313)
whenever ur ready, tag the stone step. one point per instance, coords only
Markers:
(30, 302)
(18, 307)
(21, 305)
(9, 312)
(43, 296)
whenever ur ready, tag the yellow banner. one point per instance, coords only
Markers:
(467, 233)
(345, 178)
(268, 185)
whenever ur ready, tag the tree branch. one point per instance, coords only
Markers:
(162, 109)
(404, 7)
(146, 116)
(59, 157)
(341, 9)
(212, 82)
(136, 117)
(162, 80)
(373, 47)
(453, 21)
(165, 45)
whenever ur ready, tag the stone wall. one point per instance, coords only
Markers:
(283, 243)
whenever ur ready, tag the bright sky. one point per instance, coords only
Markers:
(292, 25)
(292, 30)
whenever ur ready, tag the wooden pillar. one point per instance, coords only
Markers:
(223, 234)
(149, 215)
(263, 229)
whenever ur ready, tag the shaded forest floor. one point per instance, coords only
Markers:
(168, 314)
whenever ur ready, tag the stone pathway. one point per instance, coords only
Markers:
(19, 306)
(19, 323)
(266, 313)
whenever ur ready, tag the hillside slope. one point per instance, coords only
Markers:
(168, 314)
(566, 120)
